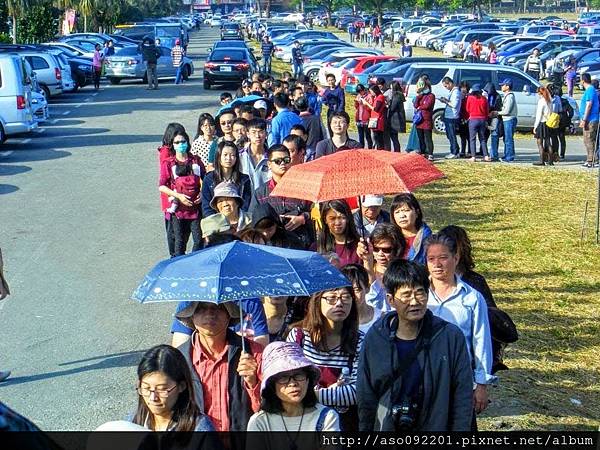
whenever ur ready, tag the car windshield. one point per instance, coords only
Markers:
(226, 55)
(127, 51)
(230, 44)
(167, 32)
(231, 26)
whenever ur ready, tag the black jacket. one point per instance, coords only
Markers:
(396, 114)
(447, 377)
(150, 53)
(327, 147)
(208, 190)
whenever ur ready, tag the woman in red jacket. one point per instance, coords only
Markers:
(478, 110)
(378, 115)
(362, 115)
(424, 102)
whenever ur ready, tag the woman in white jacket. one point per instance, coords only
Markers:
(540, 129)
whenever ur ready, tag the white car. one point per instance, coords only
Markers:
(414, 33)
(215, 22)
(335, 69)
(294, 17)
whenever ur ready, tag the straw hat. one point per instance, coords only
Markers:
(185, 311)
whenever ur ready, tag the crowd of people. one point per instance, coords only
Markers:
(370, 356)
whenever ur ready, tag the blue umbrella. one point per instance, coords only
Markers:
(238, 271)
(242, 100)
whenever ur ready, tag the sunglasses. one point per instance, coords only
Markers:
(386, 250)
(179, 142)
(280, 161)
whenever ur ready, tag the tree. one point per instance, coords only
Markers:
(379, 7)
(38, 23)
(330, 6)
(86, 7)
(15, 9)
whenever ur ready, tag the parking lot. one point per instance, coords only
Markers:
(89, 180)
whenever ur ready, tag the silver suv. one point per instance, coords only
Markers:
(15, 97)
(47, 69)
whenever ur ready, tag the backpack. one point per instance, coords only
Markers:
(566, 114)
(188, 184)
(553, 120)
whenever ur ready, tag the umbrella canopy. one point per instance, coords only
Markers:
(243, 100)
(352, 173)
(238, 271)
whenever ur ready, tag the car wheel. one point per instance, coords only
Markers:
(114, 80)
(46, 92)
(206, 85)
(438, 122)
(313, 75)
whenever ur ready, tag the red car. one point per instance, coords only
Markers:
(360, 64)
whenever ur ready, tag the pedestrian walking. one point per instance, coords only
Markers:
(166, 397)
(404, 356)
(423, 117)
(533, 65)
(97, 62)
(297, 59)
(508, 114)
(177, 54)
(333, 96)
(150, 55)
(396, 120)
(267, 48)
(589, 112)
(451, 115)
(453, 300)
(571, 75)
(540, 129)
(180, 178)
(478, 110)
(351, 31)
(330, 339)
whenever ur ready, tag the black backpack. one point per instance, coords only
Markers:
(566, 114)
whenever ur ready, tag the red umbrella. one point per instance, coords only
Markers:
(352, 173)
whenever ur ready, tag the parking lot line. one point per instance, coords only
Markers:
(66, 113)
(26, 141)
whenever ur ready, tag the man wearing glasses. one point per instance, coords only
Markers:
(225, 121)
(414, 370)
(339, 140)
(294, 213)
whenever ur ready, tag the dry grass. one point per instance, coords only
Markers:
(525, 225)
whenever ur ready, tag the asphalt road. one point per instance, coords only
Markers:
(81, 226)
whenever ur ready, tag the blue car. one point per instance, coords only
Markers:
(304, 34)
(516, 48)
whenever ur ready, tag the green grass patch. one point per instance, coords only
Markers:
(525, 225)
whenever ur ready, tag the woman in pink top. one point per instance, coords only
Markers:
(97, 62)
(492, 56)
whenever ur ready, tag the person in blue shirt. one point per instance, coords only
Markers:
(334, 97)
(267, 48)
(282, 123)
(455, 301)
(297, 59)
(589, 112)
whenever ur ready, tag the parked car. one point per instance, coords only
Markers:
(311, 69)
(415, 32)
(456, 48)
(305, 34)
(359, 65)
(284, 52)
(82, 70)
(230, 44)
(215, 22)
(127, 63)
(47, 69)
(524, 87)
(229, 65)
(16, 115)
(231, 30)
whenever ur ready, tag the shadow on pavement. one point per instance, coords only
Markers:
(29, 155)
(8, 189)
(126, 359)
(6, 170)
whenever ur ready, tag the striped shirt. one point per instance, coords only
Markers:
(333, 395)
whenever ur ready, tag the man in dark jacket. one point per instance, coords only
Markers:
(297, 59)
(294, 213)
(339, 140)
(414, 369)
(333, 96)
(267, 49)
(312, 123)
(150, 54)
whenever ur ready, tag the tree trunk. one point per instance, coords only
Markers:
(14, 29)
(258, 8)
(268, 9)
(85, 23)
(328, 17)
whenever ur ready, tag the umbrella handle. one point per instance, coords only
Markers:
(360, 214)
(242, 328)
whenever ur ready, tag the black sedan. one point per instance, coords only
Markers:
(229, 65)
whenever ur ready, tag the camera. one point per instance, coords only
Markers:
(405, 415)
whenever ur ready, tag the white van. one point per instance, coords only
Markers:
(524, 87)
(15, 97)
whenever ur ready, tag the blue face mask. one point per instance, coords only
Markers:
(181, 148)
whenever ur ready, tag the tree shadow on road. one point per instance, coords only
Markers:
(125, 359)
(8, 189)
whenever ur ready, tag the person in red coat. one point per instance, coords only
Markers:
(424, 102)
(362, 115)
(378, 115)
(478, 110)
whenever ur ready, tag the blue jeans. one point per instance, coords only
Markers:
(267, 63)
(451, 131)
(178, 77)
(297, 69)
(510, 127)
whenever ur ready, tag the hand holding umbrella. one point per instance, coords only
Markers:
(247, 368)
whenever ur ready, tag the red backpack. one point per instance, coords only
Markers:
(188, 184)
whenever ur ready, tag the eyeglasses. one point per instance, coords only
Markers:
(419, 295)
(179, 142)
(300, 376)
(385, 250)
(162, 393)
(280, 161)
(333, 299)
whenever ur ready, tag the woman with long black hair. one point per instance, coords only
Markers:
(338, 233)
(396, 119)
